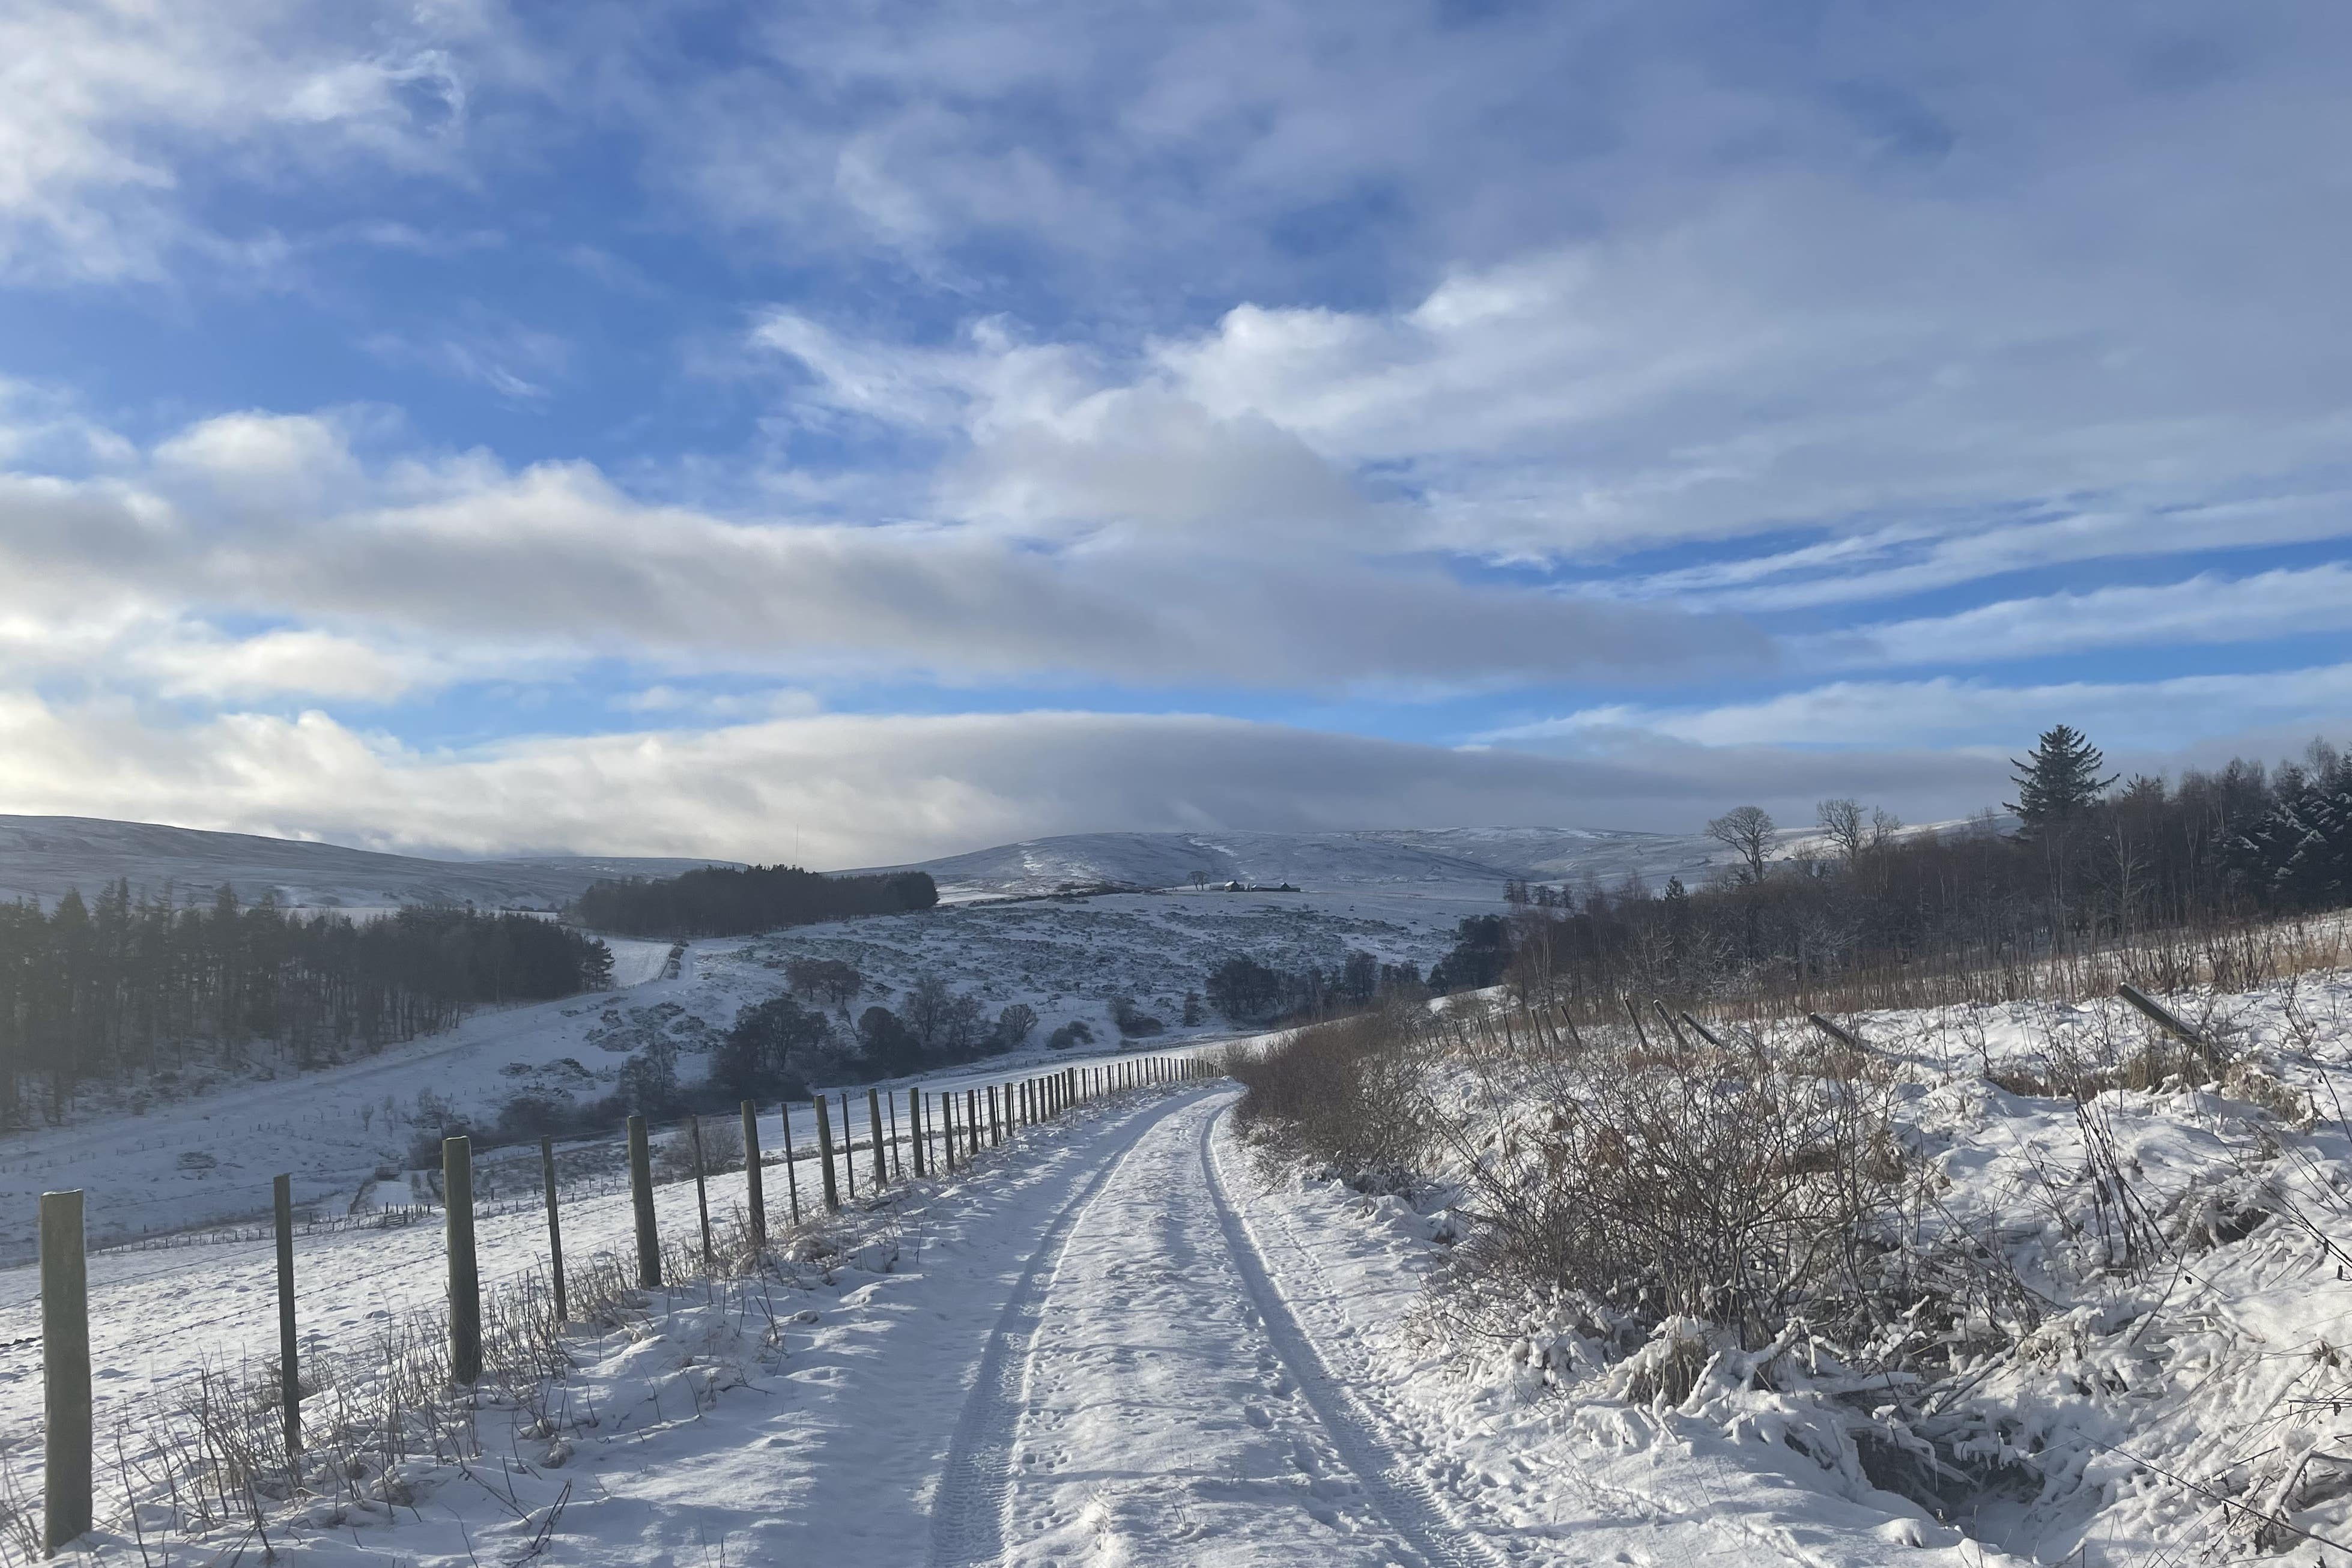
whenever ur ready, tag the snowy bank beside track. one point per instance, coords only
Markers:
(2095, 1305)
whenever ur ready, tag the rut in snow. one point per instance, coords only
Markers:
(1147, 1396)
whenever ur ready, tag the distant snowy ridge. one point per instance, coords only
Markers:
(1393, 858)
(42, 857)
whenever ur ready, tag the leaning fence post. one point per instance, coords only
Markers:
(995, 1118)
(898, 1164)
(64, 1373)
(289, 1372)
(555, 1229)
(641, 1198)
(1844, 1037)
(701, 1192)
(465, 1274)
(915, 1127)
(947, 1128)
(754, 1180)
(881, 1150)
(792, 1176)
(2169, 1020)
(824, 1152)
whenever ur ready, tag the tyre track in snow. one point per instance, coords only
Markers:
(1722, 1531)
(1148, 1396)
(967, 1511)
(1406, 1499)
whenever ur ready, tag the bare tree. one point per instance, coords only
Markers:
(1746, 831)
(1851, 833)
(1842, 824)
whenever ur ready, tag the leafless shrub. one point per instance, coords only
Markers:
(1346, 1095)
(1735, 1187)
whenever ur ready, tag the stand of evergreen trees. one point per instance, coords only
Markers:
(716, 900)
(100, 991)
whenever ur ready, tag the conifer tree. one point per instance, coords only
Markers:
(2059, 779)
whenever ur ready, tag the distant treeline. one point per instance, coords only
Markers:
(716, 900)
(1871, 914)
(96, 991)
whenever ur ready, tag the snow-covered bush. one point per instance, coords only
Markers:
(1740, 1188)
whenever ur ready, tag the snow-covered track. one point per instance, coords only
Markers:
(1404, 1497)
(1148, 1396)
(968, 1513)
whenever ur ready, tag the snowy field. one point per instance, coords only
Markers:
(159, 1314)
(152, 1164)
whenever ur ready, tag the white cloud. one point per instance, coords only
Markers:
(203, 664)
(2208, 608)
(109, 111)
(867, 790)
(1650, 277)
(249, 516)
(1951, 712)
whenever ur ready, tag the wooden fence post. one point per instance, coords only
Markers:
(995, 1118)
(701, 1192)
(755, 1180)
(947, 1128)
(641, 1198)
(792, 1176)
(848, 1146)
(915, 1127)
(898, 1165)
(289, 1368)
(824, 1152)
(881, 1150)
(555, 1229)
(64, 1373)
(464, 1272)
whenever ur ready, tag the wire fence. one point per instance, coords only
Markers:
(868, 1146)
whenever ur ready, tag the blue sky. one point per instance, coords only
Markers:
(683, 429)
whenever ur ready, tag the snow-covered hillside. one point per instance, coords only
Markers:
(198, 1148)
(1457, 858)
(41, 857)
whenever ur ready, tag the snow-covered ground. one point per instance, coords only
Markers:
(1106, 1345)
(1124, 1339)
(153, 1163)
(1099, 1346)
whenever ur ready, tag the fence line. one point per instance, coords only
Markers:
(941, 1136)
